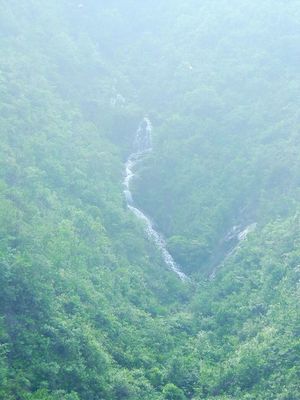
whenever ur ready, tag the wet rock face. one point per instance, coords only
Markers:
(143, 139)
(229, 244)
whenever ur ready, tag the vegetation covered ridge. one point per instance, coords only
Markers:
(88, 309)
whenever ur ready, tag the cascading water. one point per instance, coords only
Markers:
(143, 145)
(231, 243)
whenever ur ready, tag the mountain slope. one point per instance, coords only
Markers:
(88, 309)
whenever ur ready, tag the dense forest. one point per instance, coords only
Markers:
(89, 309)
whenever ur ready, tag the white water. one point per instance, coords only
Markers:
(142, 146)
(250, 228)
(238, 235)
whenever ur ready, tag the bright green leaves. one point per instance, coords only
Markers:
(172, 392)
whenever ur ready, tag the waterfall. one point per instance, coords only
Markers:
(231, 242)
(141, 146)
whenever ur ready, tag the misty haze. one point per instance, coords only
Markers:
(150, 200)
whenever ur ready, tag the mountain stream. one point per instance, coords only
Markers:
(141, 147)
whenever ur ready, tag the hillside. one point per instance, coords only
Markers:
(89, 309)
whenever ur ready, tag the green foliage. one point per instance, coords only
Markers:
(88, 310)
(45, 395)
(189, 253)
(172, 392)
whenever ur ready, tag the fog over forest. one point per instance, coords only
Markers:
(150, 200)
